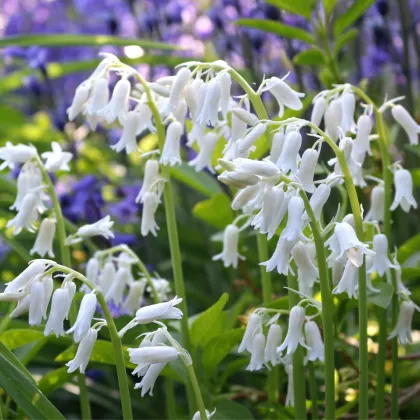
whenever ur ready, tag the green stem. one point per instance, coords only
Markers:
(314, 392)
(170, 399)
(6, 318)
(197, 392)
(298, 366)
(66, 260)
(380, 366)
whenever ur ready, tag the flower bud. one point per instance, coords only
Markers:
(362, 143)
(257, 352)
(277, 146)
(151, 175)
(318, 110)
(318, 199)
(348, 104)
(36, 303)
(34, 269)
(226, 85)
(264, 168)
(332, 118)
(245, 116)
(246, 142)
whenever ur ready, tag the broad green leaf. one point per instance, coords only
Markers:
(71, 40)
(231, 410)
(13, 339)
(344, 39)
(329, 6)
(280, 303)
(298, 7)
(408, 248)
(199, 181)
(383, 298)
(22, 389)
(351, 15)
(16, 246)
(202, 327)
(410, 273)
(54, 380)
(102, 353)
(215, 211)
(56, 70)
(310, 57)
(277, 28)
(219, 347)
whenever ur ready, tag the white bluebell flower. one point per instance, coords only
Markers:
(86, 311)
(403, 182)
(407, 122)
(45, 239)
(289, 158)
(57, 160)
(294, 335)
(403, 327)
(315, 343)
(84, 351)
(230, 255)
(377, 204)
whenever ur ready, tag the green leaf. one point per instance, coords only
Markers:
(310, 57)
(351, 15)
(199, 181)
(344, 39)
(102, 352)
(22, 389)
(54, 380)
(410, 273)
(202, 327)
(215, 211)
(219, 347)
(383, 298)
(13, 339)
(329, 6)
(280, 303)
(408, 248)
(277, 28)
(231, 410)
(71, 40)
(298, 7)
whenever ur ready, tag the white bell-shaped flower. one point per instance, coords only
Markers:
(115, 293)
(12, 154)
(92, 270)
(253, 135)
(318, 200)
(177, 90)
(246, 116)
(36, 303)
(284, 94)
(153, 354)
(107, 276)
(209, 110)
(403, 327)
(293, 230)
(197, 415)
(100, 228)
(84, 317)
(361, 144)
(117, 108)
(407, 122)
(84, 351)
(159, 311)
(337, 269)
(57, 160)
(34, 269)
(180, 112)
(403, 191)
(149, 379)
(238, 179)
(254, 324)
(294, 335)
(348, 105)
(264, 168)
(332, 118)
(257, 352)
(318, 110)
(225, 96)
(290, 396)
(192, 95)
(151, 202)
(203, 160)
(289, 158)
(45, 239)
(315, 343)
(81, 96)
(349, 243)
(27, 214)
(401, 289)
(306, 171)
(149, 340)
(150, 180)
(22, 307)
(230, 255)
(98, 101)
(29, 179)
(244, 196)
(307, 271)
(274, 338)
(128, 141)
(171, 149)
(280, 257)
(59, 311)
(277, 144)
(48, 290)
(348, 282)
(281, 204)
(238, 128)
(377, 204)
(380, 262)
(135, 295)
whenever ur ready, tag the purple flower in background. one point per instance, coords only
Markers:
(125, 209)
(124, 238)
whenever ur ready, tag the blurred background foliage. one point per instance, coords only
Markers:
(50, 46)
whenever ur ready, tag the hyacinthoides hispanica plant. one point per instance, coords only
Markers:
(339, 254)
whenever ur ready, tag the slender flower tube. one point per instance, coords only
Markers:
(117, 108)
(290, 397)
(318, 200)
(257, 352)
(293, 230)
(82, 325)
(58, 313)
(100, 228)
(107, 277)
(254, 325)
(377, 204)
(380, 262)
(280, 258)
(403, 327)
(259, 168)
(362, 143)
(149, 379)
(306, 170)
(403, 191)
(135, 295)
(116, 291)
(348, 104)
(407, 122)
(80, 98)
(246, 142)
(289, 157)
(244, 196)
(318, 110)
(29, 179)
(26, 216)
(84, 352)
(192, 94)
(36, 303)
(159, 311)
(246, 116)
(226, 86)
(128, 141)
(153, 354)
(274, 338)
(180, 82)
(307, 271)
(34, 269)
(148, 223)
(315, 343)
(45, 240)
(277, 144)
(171, 150)
(230, 255)
(348, 281)
(203, 160)
(151, 176)
(294, 335)
(208, 113)
(332, 118)
(98, 101)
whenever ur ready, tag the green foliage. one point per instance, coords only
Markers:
(231, 410)
(351, 15)
(343, 39)
(329, 6)
(278, 29)
(298, 7)
(310, 57)
(54, 380)
(13, 339)
(21, 387)
(408, 248)
(384, 297)
(215, 211)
